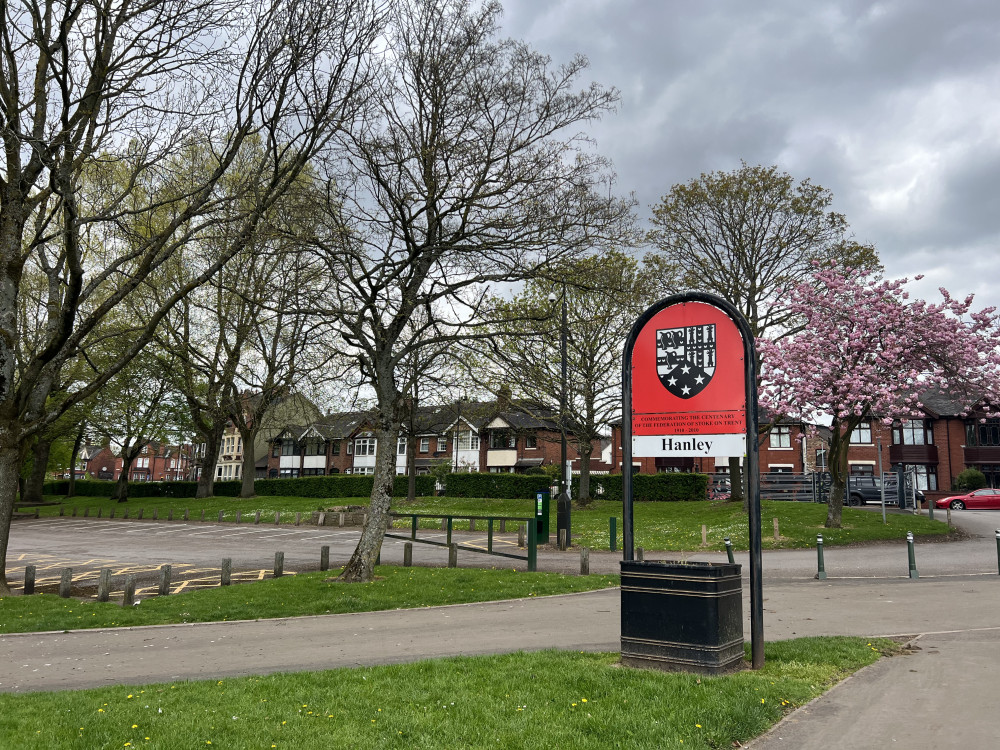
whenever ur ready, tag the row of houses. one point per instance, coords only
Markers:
(510, 436)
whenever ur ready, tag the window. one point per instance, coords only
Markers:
(276, 449)
(862, 470)
(218, 473)
(289, 473)
(531, 441)
(239, 445)
(314, 448)
(401, 446)
(272, 474)
(143, 463)
(913, 432)
(442, 443)
(779, 469)
(313, 472)
(334, 447)
(862, 434)
(474, 442)
(364, 447)
(425, 445)
(502, 439)
(781, 436)
(822, 461)
(926, 476)
(364, 469)
(289, 448)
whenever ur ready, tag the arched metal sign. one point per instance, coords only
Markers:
(689, 388)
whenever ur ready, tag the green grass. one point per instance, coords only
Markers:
(658, 526)
(303, 594)
(547, 699)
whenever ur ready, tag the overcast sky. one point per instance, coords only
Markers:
(894, 106)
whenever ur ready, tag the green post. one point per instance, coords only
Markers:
(729, 550)
(413, 527)
(450, 522)
(489, 535)
(998, 550)
(912, 555)
(821, 572)
(613, 529)
(532, 547)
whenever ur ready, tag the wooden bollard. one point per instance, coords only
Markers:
(640, 554)
(239, 516)
(66, 583)
(111, 514)
(156, 513)
(298, 518)
(520, 534)
(186, 514)
(220, 515)
(324, 557)
(704, 535)
(321, 519)
(408, 555)
(279, 564)
(472, 524)
(125, 514)
(164, 588)
(562, 539)
(86, 512)
(453, 556)
(29, 579)
(341, 520)
(584, 561)
(104, 585)
(776, 533)
(277, 518)
(256, 517)
(503, 525)
(62, 511)
(140, 513)
(128, 595)
(74, 511)
(202, 519)
(444, 524)
(170, 514)
(227, 571)
(99, 512)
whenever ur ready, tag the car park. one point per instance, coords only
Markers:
(983, 498)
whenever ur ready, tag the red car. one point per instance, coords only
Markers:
(984, 498)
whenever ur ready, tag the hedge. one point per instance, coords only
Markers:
(330, 486)
(666, 487)
(504, 486)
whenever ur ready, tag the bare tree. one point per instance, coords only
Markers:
(604, 294)
(98, 103)
(466, 170)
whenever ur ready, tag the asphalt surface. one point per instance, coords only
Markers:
(942, 694)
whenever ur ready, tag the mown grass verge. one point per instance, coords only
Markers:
(291, 596)
(658, 526)
(547, 699)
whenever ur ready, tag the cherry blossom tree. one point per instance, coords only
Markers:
(868, 350)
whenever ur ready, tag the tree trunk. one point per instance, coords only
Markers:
(74, 455)
(838, 475)
(34, 486)
(206, 481)
(120, 492)
(585, 449)
(735, 480)
(361, 567)
(10, 473)
(249, 463)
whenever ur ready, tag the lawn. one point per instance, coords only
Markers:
(302, 594)
(658, 526)
(547, 699)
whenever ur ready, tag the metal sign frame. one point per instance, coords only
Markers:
(752, 450)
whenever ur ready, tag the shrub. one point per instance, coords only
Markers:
(503, 486)
(647, 487)
(970, 479)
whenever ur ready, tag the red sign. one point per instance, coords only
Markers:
(688, 379)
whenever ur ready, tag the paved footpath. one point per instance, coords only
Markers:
(940, 696)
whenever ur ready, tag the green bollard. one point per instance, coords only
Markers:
(532, 546)
(729, 550)
(998, 550)
(821, 569)
(910, 553)
(613, 528)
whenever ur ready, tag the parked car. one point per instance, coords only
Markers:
(868, 489)
(984, 498)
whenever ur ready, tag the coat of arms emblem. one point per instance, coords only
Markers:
(685, 359)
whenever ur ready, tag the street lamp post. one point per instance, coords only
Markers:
(563, 502)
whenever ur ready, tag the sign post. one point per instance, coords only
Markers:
(689, 388)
